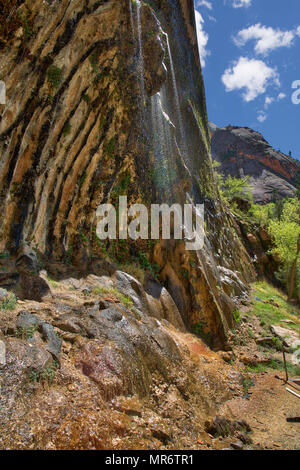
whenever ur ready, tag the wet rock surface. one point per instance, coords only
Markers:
(74, 364)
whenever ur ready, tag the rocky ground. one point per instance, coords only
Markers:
(89, 367)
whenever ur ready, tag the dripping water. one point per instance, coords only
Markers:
(140, 55)
(175, 90)
(163, 135)
(131, 18)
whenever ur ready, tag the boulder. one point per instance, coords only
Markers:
(3, 294)
(32, 287)
(26, 260)
(290, 338)
(51, 342)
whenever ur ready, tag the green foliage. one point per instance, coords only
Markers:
(110, 147)
(286, 231)
(120, 189)
(94, 60)
(82, 179)
(197, 328)
(54, 76)
(265, 300)
(261, 214)
(69, 255)
(247, 383)
(84, 238)
(236, 188)
(145, 264)
(46, 375)
(205, 135)
(134, 270)
(67, 128)
(9, 303)
(236, 316)
(86, 98)
(281, 219)
(26, 333)
(102, 291)
(275, 364)
(101, 123)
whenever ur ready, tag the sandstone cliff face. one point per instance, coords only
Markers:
(84, 123)
(242, 151)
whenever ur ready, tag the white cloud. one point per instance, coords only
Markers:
(212, 18)
(298, 31)
(241, 3)
(204, 3)
(268, 101)
(202, 38)
(261, 116)
(251, 75)
(281, 96)
(267, 38)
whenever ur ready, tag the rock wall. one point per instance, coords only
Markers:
(242, 151)
(77, 130)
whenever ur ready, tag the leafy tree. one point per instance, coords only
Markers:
(231, 187)
(285, 232)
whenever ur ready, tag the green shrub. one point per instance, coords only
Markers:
(236, 316)
(54, 76)
(9, 303)
(86, 98)
(26, 333)
(67, 128)
(46, 375)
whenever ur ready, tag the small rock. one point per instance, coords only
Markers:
(226, 356)
(3, 294)
(238, 445)
(289, 338)
(265, 340)
(26, 320)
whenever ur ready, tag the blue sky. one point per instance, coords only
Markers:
(250, 53)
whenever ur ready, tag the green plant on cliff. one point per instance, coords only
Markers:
(67, 128)
(54, 76)
(112, 291)
(11, 19)
(232, 189)
(110, 147)
(236, 188)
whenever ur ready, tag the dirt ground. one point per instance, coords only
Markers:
(266, 411)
